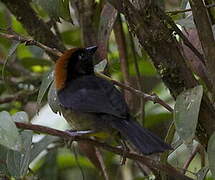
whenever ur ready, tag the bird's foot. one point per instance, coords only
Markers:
(125, 151)
(78, 133)
(74, 133)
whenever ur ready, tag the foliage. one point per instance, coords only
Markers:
(26, 85)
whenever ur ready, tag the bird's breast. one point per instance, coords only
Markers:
(79, 120)
(88, 121)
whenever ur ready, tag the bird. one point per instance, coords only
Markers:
(93, 106)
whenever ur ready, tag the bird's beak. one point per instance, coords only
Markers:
(91, 50)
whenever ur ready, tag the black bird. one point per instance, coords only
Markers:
(93, 105)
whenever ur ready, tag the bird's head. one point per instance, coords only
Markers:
(74, 63)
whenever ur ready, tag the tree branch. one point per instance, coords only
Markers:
(35, 26)
(190, 158)
(169, 170)
(177, 11)
(204, 28)
(141, 110)
(156, 36)
(55, 52)
(154, 98)
(123, 55)
(31, 42)
(182, 36)
(105, 29)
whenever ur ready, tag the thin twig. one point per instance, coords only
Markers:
(182, 36)
(55, 52)
(147, 97)
(206, 37)
(177, 11)
(33, 24)
(31, 42)
(168, 139)
(190, 158)
(134, 156)
(123, 55)
(141, 112)
(56, 29)
(202, 155)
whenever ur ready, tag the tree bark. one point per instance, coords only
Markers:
(158, 39)
(204, 28)
(35, 26)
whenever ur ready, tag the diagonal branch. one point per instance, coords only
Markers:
(55, 52)
(182, 36)
(177, 11)
(30, 42)
(155, 165)
(204, 28)
(156, 36)
(154, 98)
(35, 26)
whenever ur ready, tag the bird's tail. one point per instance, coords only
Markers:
(144, 140)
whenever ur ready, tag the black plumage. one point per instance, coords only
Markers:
(98, 105)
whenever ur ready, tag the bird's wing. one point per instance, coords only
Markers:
(95, 95)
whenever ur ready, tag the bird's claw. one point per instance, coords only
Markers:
(78, 133)
(125, 151)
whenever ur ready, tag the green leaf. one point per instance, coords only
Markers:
(202, 173)
(12, 50)
(49, 168)
(36, 51)
(100, 67)
(183, 4)
(72, 37)
(107, 20)
(21, 116)
(3, 158)
(34, 61)
(47, 80)
(64, 11)
(137, 46)
(18, 162)
(148, 69)
(3, 20)
(53, 99)
(186, 113)
(186, 22)
(67, 159)
(56, 9)
(42, 145)
(211, 154)
(9, 136)
(152, 120)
